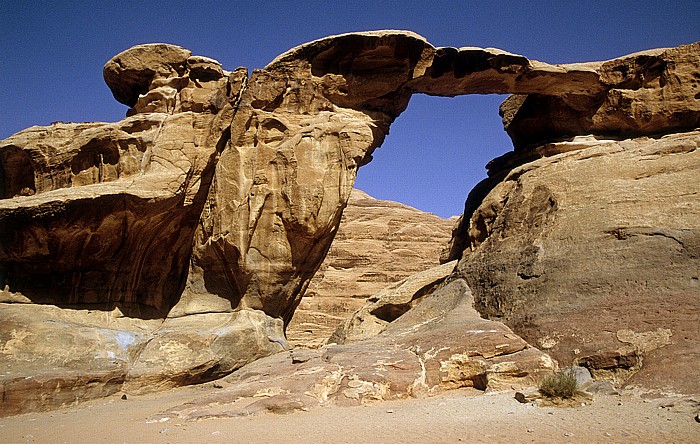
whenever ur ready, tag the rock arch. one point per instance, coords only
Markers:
(338, 96)
(238, 184)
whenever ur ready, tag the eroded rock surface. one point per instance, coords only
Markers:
(593, 255)
(210, 207)
(440, 344)
(99, 218)
(651, 92)
(103, 214)
(390, 304)
(378, 243)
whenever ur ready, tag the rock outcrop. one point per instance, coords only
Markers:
(103, 214)
(440, 344)
(593, 255)
(651, 92)
(389, 304)
(200, 218)
(378, 243)
(98, 219)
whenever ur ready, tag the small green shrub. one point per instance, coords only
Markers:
(559, 385)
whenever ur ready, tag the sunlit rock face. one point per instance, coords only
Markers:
(103, 214)
(99, 219)
(378, 243)
(440, 344)
(585, 239)
(582, 250)
(200, 218)
(651, 92)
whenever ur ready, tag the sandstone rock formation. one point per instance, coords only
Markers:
(593, 255)
(103, 214)
(378, 243)
(440, 344)
(651, 92)
(202, 216)
(390, 304)
(98, 219)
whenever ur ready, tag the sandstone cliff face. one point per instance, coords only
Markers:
(103, 214)
(283, 181)
(99, 219)
(201, 218)
(390, 304)
(593, 254)
(378, 243)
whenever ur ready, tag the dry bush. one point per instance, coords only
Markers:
(559, 385)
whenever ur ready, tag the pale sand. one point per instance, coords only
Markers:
(457, 416)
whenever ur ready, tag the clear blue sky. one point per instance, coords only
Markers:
(52, 53)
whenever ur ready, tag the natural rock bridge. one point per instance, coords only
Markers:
(182, 238)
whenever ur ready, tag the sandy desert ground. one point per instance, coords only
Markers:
(633, 416)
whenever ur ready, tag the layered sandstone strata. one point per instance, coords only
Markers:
(378, 243)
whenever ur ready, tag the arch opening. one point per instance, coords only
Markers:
(437, 152)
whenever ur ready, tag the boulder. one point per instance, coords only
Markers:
(582, 375)
(52, 357)
(390, 304)
(130, 73)
(202, 347)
